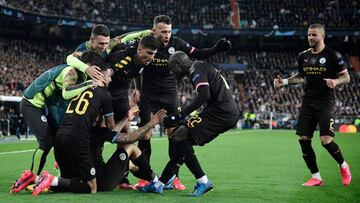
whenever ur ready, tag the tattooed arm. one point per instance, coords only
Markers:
(294, 79)
(125, 138)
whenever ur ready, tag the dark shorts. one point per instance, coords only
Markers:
(314, 112)
(151, 103)
(73, 154)
(42, 125)
(113, 172)
(121, 107)
(211, 122)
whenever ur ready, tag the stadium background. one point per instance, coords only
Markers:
(266, 37)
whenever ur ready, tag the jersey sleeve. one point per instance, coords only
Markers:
(119, 61)
(106, 103)
(299, 65)
(132, 36)
(199, 77)
(81, 47)
(340, 64)
(184, 46)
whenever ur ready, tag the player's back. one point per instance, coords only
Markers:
(205, 73)
(82, 110)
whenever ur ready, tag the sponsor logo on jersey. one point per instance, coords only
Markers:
(314, 70)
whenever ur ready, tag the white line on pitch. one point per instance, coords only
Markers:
(17, 152)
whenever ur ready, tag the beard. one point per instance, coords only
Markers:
(313, 44)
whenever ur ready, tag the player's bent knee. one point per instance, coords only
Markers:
(131, 149)
(304, 137)
(132, 167)
(180, 134)
(325, 139)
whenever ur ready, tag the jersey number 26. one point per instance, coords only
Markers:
(82, 104)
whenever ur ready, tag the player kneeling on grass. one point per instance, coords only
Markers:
(43, 107)
(220, 114)
(108, 174)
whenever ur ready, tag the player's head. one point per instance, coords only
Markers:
(100, 38)
(316, 35)
(147, 49)
(93, 58)
(179, 64)
(162, 28)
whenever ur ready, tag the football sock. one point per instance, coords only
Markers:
(144, 172)
(63, 182)
(203, 179)
(309, 155)
(145, 147)
(38, 161)
(37, 179)
(344, 165)
(186, 149)
(55, 182)
(169, 169)
(172, 154)
(78, 186)
(335, 152)
(316, 175)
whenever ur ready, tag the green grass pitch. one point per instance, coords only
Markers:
(245, 166)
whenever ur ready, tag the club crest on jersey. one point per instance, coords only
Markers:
(171, 50)
(122, 156)
(322, 60)
(43, 118)
(92, 171)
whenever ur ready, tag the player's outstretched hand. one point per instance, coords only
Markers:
(94, 73)
(278, 81)
(223, 45)
(158, 117)
(331, 83)
(133, 111)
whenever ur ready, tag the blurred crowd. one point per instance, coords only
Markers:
(300, 13)
(23, 61)
(205, 13)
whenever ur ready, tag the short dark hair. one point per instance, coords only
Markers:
(100, 29)
(319, 26)
(150, 42)
(162, 19)
(93, 58)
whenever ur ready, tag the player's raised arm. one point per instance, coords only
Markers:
(222, 45)
(91, 70)
(127, 37)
